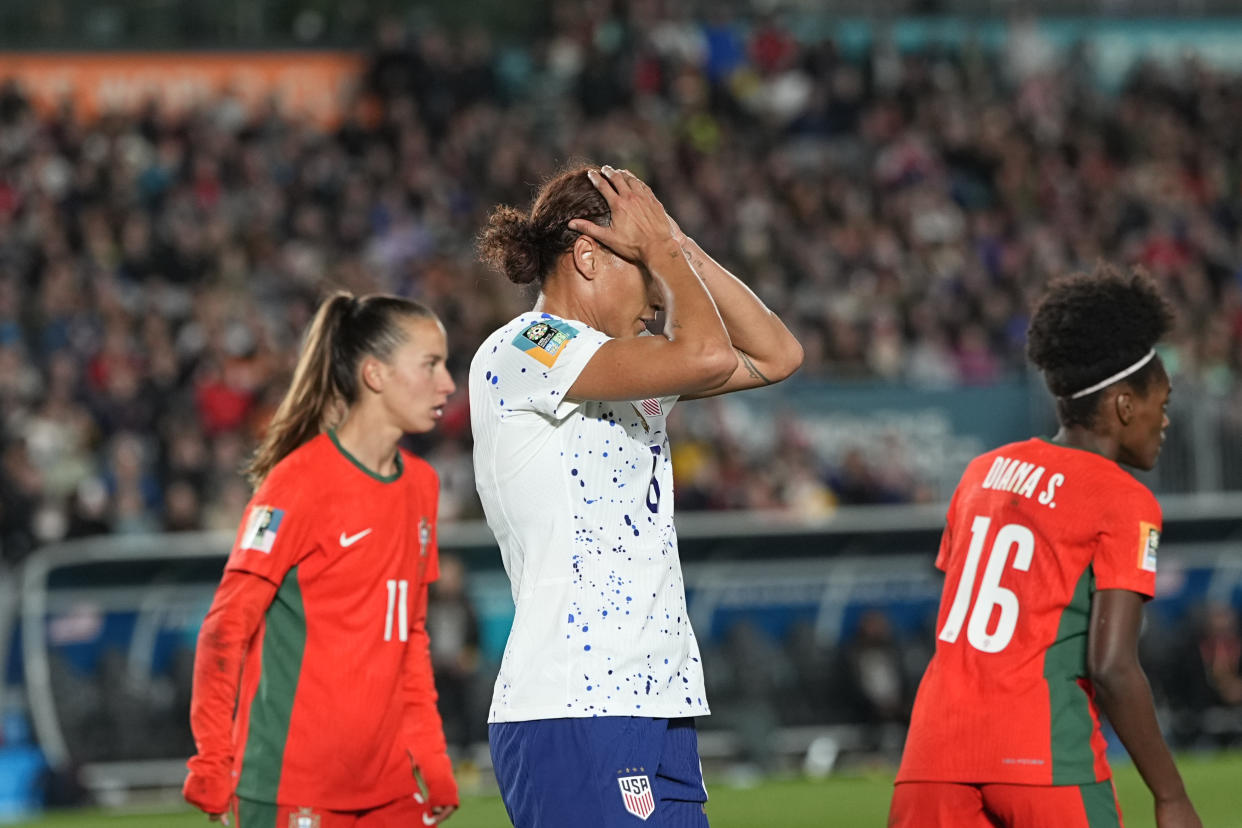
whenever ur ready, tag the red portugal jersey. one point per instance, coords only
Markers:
(1033, 531)
(339, 668)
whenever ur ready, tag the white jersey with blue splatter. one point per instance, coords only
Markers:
(580, 498)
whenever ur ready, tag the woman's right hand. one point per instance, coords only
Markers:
(640, 228)
(210, 793)
(1177, 813)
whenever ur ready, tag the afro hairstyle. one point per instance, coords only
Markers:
(1088, 327)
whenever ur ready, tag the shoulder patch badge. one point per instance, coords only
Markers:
(1149, 541)
(544, 340)
(261, 528)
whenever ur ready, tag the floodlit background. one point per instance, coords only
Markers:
(180, 182)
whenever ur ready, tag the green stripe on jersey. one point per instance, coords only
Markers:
(1100, 804)
(252, 814)
(283, 643)
(1073, 761)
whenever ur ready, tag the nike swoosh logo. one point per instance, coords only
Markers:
(429, 820)
(350, 540)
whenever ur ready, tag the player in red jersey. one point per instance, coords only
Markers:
(313, 698)
(1049, 554)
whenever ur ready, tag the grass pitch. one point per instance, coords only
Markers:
(845, 801)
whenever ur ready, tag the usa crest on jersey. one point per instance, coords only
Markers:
(637, 796)
(304, 818)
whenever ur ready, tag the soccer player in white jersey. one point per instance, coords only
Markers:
(592, 720)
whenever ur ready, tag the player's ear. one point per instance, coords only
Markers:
(1124, 405)
(587, 256)
(371, 373)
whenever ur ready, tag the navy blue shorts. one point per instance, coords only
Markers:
(605, 772)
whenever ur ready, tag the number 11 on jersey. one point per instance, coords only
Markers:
(398, 594)
(991, 593)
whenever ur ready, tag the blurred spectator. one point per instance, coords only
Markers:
(873, 669)
(20, 490)
(1220, 652)
(875, 683)
(88, 509)
(1204, 678)
(181, 508)
(453, 627)
(855, 482)
(813, 667)
(748, 673)
(134, 488)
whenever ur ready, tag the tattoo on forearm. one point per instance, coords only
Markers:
(696, 261)
(755, 373)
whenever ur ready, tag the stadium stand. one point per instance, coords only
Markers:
(900, 208)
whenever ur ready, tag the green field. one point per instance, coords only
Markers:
(1214, 784)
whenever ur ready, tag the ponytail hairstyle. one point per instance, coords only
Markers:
(525, 247)
(345, 329)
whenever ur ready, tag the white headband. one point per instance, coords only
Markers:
(1120, 375)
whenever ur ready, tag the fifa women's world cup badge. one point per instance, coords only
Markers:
(261, 528)
(304, 818)
(545, 340)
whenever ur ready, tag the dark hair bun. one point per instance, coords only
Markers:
(509, 245)
(527, 247)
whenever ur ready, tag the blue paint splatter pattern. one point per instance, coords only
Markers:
(580, 498)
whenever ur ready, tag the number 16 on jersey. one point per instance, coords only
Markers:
(992, 595)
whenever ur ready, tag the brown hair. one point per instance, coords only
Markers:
(526, 247)
(345, 329)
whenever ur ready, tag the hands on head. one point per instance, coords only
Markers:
(640, 227)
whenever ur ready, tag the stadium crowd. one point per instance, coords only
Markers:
(899, 210)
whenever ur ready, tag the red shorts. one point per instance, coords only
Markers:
(407, 812)
(954, 805)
